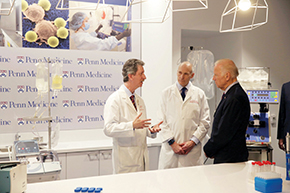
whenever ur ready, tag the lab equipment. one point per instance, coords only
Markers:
(287, 156)
(42, 165)
(268, 182)
(254, 78)
(56, 78)
(203, 65)
(41, 78)
(13, 177)
(263, 96)
(287, 143)
(257, 167)
(119, 27)
(259, 130)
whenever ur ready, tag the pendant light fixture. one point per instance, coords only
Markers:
(243, 15)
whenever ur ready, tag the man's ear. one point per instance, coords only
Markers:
(228, 76)
(192, 76)
(130, 76)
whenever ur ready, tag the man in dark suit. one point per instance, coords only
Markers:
(284, 115)
(228, 143)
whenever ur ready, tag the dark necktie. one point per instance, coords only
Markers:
(183, 92)
(224, 96)
(133, 101)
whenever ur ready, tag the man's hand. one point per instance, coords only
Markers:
(281, 144)
(141, 123)
(187, 146)
(177, 148)
(156, 128)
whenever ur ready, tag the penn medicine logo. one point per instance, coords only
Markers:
(80, 118)
(80, 88)
(3, 73)
(80, 61)
(20, 59)
(3, 104)
(65, 103)
(20, 121)
(65, 74)
(20, 88)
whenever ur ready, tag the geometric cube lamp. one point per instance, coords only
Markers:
(157, 11)
(244, 15)
(59, 6)
(188, 5)
(161, 6)
(6, 6)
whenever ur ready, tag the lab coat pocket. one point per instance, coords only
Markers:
(192, 110)
(131, 157)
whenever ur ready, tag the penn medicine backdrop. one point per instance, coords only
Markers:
(89, 77)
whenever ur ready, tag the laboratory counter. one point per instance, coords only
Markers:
(82, 146)
(218, 178)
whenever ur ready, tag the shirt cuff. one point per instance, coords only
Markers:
(194, 139)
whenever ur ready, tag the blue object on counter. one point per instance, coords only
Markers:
(78, 189)
(98, 189)
(85, 189)
(287, 166)
(91, 190)
(268, 185)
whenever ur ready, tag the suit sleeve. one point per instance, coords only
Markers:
(282, 114)
(112, 120)
(227, 127)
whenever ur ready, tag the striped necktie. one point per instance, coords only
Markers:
(132, 97)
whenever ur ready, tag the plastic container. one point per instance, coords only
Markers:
(91, 190)
(268, 185)
(41, 82)
(78, 189)
(85, 189)
(98, 189)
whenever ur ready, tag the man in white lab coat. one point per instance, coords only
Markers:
(185, 112)
(126, 122)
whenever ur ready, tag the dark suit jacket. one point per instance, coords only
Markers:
(284, 112)
(228, 143)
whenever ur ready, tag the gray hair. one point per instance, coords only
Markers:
(131, 67)
(77, 20)
(228, 66)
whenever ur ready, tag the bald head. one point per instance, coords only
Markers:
(184, 73)
(225, 73)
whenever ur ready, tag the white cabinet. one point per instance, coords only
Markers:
(94, 163)
(83, 164)
(62, 159)
(106, 165)
(153, 157)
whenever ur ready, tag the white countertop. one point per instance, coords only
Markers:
(90, 145)
(219, 178)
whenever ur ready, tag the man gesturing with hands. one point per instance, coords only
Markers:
(125, 121)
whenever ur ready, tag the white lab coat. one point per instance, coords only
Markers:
(182, 120)
(89, 41)
(130, 152)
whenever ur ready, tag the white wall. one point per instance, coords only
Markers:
(266, 46)
(156, 52)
